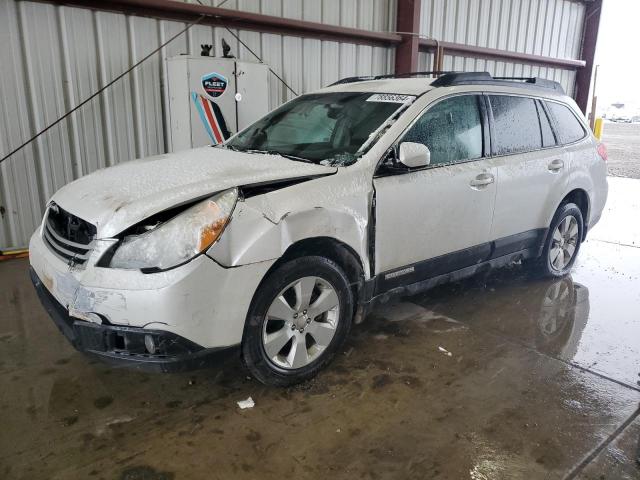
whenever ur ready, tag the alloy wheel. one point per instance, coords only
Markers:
(301, 322)
(564, 243)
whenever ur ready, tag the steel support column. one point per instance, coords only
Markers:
(589, 41)
(408, 25)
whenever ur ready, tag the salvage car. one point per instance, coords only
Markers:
(272, 244)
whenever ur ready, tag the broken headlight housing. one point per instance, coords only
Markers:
(179, 239)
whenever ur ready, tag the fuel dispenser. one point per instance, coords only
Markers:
(211, 98)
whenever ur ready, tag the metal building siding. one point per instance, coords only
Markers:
(549, 28)
(54, 57)
(541, 27)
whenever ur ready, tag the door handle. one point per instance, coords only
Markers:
(481, 181)
(555, 165)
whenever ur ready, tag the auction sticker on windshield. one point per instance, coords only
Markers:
(390, 98)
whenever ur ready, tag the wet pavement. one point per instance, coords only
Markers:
(495, 377)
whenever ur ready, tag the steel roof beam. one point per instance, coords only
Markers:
(484, 52)
(186, 12)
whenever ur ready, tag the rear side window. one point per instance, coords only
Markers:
(548, 139)
(568, 126)
(452, 129)
(516, 127)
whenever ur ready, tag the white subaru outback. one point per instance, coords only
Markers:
(272, 244)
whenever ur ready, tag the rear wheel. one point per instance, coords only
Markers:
(298, 319)
(562, 243)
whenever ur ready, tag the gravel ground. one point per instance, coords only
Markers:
(623, 144)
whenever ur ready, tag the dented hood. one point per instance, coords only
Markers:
(116, 198)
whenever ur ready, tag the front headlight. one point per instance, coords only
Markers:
(179, 239)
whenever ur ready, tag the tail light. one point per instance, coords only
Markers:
(602, 151)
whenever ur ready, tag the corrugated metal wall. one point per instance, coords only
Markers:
(551, 28)
(54, 57)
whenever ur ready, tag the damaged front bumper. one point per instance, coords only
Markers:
(184, 313)
(130, 346)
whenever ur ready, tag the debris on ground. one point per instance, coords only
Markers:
(445, 351)
(111, 422)
(248, 403)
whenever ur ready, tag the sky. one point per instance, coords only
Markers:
(617, 53)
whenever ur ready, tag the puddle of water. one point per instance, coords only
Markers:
(590, 318)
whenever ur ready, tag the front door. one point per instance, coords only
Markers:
(437, 219)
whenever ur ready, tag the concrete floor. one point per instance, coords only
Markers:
(542, 382)
(623, 143)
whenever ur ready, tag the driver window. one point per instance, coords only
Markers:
(452, 129)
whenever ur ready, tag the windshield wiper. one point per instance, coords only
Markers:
(275, 152)
(230, 147)
(342, 159)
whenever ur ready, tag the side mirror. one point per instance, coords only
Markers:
(414, 155)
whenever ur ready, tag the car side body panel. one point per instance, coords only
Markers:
(432, 212)
(588, 172)
(528, 193)
(264, 227)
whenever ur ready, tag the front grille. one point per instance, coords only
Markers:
(68, 236)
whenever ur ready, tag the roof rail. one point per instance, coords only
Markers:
(391, 75)
(352, 80)
(485, 78)
(414, 74)
(451, 79)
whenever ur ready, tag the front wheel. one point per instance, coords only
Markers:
(298, 319)
(563, 242)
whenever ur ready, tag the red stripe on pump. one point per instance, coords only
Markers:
(212, 122)
(216, 119)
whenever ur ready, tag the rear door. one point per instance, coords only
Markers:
(441, 212)
(580, 153)
(532, 171)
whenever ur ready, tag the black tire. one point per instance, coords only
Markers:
(254, 355)
(544, 265)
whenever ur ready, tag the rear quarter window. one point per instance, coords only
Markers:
(568, 126)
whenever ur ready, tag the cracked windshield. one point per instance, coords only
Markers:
(330, 129)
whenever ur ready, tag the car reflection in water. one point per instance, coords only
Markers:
(548, 315)
(564, 311)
